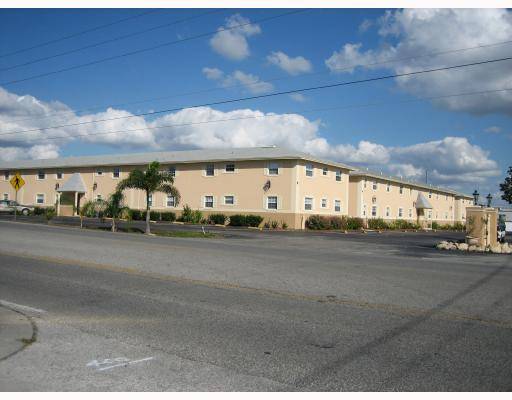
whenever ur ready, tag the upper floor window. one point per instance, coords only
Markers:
(230, 167)
(172, 171)
(400, 212)
(401, 190)
(209, 170)
(338, 176)
(59, 175)
(171, 201)
(325, 171)
(374, 211)
(208, 201)
(99, 172)
(337, 205)
(273, 169)
(272, 202)
(388, 187)
(374, 185)
(6, 175)
(309, 169)
(364, 184)
(308, 203)
(41, 175)
(116, 173)
(429, 195)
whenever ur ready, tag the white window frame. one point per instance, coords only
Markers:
(229, 204)
(119, 173)
(339, 175)
(150, 200)
(98, 172)
(306, 203)
(38, 175)
(364, 184)
(205, 202)
(337, 204)
(401, 190)
(410, 212)
(324, 201)
(429, 215)
(310, 170)
(206, 170)
(374, 207)
(6, 196)
(375, 185)
(388, 212)
(429, 195)
(400, 212)
(37, 198)
(226, 168)
(6, 175)
(57, 175)
(267, 202)
(273, 166)
(388, 187)
(364, 210)
(167, 197)
(99, 197)
(325, 171)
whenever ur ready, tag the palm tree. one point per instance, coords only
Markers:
(150, 181)
(114, 207)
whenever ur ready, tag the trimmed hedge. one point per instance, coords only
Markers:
(321, 222)
(217, 219)
(377, 223)
(245, 220)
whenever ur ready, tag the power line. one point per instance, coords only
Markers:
(77, 34)
(146, 49)
(262, 96)
(333, 108)
(67, 52)
(282, 77)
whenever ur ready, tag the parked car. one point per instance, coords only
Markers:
(501, 228)
(10, 205)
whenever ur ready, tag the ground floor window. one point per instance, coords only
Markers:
(40, 198)
(308, 203)
(364, 210)
(374, 211)
(229, 200)
(150, 200)
(410, 213)
(99, 197)
(388, 212)
(324, 203)
(171, 201)
(272, 202)
(337, 205)
(208, 201)
(430, 215)
(400, 212)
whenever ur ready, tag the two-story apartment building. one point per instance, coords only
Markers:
(278, 184)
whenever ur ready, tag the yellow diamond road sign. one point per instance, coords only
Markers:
(17, 182)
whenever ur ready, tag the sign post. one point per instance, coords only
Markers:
(17, 183)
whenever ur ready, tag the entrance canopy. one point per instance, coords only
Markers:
(422, 202)
(74, 184)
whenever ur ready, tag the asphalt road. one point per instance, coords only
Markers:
(254, 311)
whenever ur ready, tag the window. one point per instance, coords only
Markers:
(325, 171)
(308, 203)
(410, 212)
(229, 200)
(445, 215)
(99, 197)
(364, 210)
(6, 175)
(273, 169)
(6, 196)
(99, 172)
(364, 184)
(209, 170)
(40, 198)
(208, 201)
(172, 171)
(374, 185)
(388, 212)
(230, 167)
(324, 203)
(41, 175)
(374, 211)
(388, 187)
(429, 195)
(400, 212)
(374, 200)
(116, 173)
(272, 202)
(150, 200)
(337, 205)
(171, 201)
(309, 170)
(430, 214)
(338, 176)
(59, 175)
(401, 190)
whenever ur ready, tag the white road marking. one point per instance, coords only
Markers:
(121, 360)
(21, 307)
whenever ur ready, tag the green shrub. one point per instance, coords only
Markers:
(377, 223)
(317, 222)
(154, 216)
(354, 223)
(168, 216)
(435, 225)
(266, 225)
(274, 224)
(402, 224)
(191, 216)
(459, 226)
(217, 219)
(39, 210)
(237, 220)
(284, 225)
(49, 213)
(253, 220)
(136, 215)
(337, 223)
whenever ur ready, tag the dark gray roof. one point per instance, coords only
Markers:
(186, 156)
(75, 183)
(422, 202)
(396, 179)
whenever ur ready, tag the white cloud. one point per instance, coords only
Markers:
(230, 40)
(299, 97)
(365, 25)
(451, 160)
(414, 32)
(212, 73)
(292, 65)
(493, 129)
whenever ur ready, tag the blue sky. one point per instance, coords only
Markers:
(464, 141)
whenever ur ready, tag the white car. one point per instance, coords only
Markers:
(10, 205)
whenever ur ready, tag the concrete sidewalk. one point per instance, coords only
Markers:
(16, 332)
